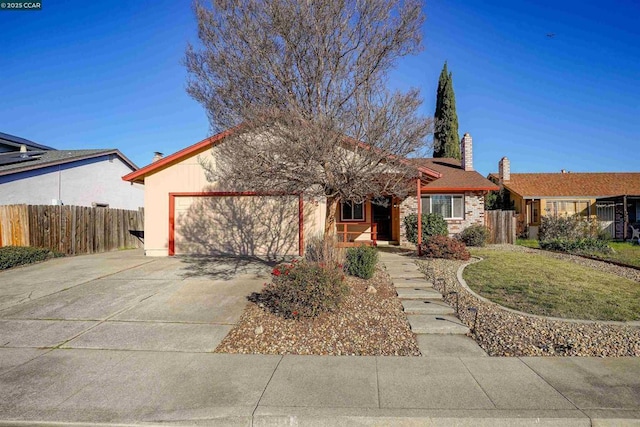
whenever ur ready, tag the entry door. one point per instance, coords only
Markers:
(382, 218)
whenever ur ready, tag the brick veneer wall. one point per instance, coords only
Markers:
(473, 214)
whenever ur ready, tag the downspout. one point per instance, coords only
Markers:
(419, 198)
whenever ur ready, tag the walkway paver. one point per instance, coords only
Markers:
(427, 314)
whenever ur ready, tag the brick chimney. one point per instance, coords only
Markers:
(466, 146)
(157, 156)
(504, 169)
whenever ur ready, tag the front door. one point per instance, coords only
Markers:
(381, 216)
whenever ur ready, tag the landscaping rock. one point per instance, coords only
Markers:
(504, 333)
(365, 324)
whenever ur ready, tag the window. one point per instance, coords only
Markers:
(352, 211)
(568, 208)
(450, 206)
(100, 205)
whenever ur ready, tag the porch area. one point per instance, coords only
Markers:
(372, 222)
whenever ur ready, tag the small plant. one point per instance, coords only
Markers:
(324, 250)
(475, 235)
(13, 256)
(304, 289)
(361, 261)
(445, 247)
(432, 225)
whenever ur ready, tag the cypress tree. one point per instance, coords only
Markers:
(446, 141)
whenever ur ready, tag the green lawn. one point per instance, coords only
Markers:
(625, 252)
(529, 243)
(546, 286)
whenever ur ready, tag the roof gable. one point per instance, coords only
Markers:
(454, 177)
(207, 143)
(573, 184)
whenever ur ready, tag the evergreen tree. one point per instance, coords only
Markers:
(446, 139)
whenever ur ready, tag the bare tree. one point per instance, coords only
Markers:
(306, 80)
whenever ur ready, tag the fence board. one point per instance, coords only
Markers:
(502, 226)
(71, 230)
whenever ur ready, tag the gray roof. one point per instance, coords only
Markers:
(15, 162)
(16, 141)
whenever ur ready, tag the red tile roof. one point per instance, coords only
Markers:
(573, 184)
(454, 178)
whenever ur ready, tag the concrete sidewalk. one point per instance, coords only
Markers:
(141, 387)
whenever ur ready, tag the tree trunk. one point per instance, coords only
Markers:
(330, 217)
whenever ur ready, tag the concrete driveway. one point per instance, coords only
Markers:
(125, 301)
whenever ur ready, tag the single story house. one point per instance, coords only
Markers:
(614, 197)
(185, 213)
(35, 174)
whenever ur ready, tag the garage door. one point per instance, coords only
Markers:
(238, 225)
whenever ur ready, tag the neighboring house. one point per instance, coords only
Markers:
(35, 174)
(611, 196)
(184, 213)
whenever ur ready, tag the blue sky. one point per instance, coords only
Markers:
(110, 74)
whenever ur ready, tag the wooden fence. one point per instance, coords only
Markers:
(71, 230)
(502, 226)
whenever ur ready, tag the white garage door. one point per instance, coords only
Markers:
(236, 225)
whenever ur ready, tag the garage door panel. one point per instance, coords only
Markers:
(237, 225)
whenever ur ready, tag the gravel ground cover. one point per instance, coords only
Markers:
(504, 333)
(366, 324)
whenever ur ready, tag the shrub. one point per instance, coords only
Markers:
(432, 225)
(586, 245)
(13, 256)
(323, 250)
(361, 261)
(572, 234)
(475, 235)
(304, 289)
(445, 247)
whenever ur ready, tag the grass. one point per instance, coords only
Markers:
(625, 253)
(528, 243)
(538, 284)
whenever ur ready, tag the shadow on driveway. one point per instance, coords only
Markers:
(221, 267)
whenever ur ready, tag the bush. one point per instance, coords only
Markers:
(572, 234)
(323, 250)
(475, 235)
(361, 261)
(432, 225)
(586, 246)
(13, 256)
(305, 289)
(445, 247)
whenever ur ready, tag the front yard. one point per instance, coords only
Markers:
(624, 252)
(543, 285)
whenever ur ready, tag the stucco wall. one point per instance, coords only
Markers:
(189, 175)
(81, 183)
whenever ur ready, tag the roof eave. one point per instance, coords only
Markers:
(27, 168)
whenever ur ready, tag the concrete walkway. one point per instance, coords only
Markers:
(438, 331)
(123, 339)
